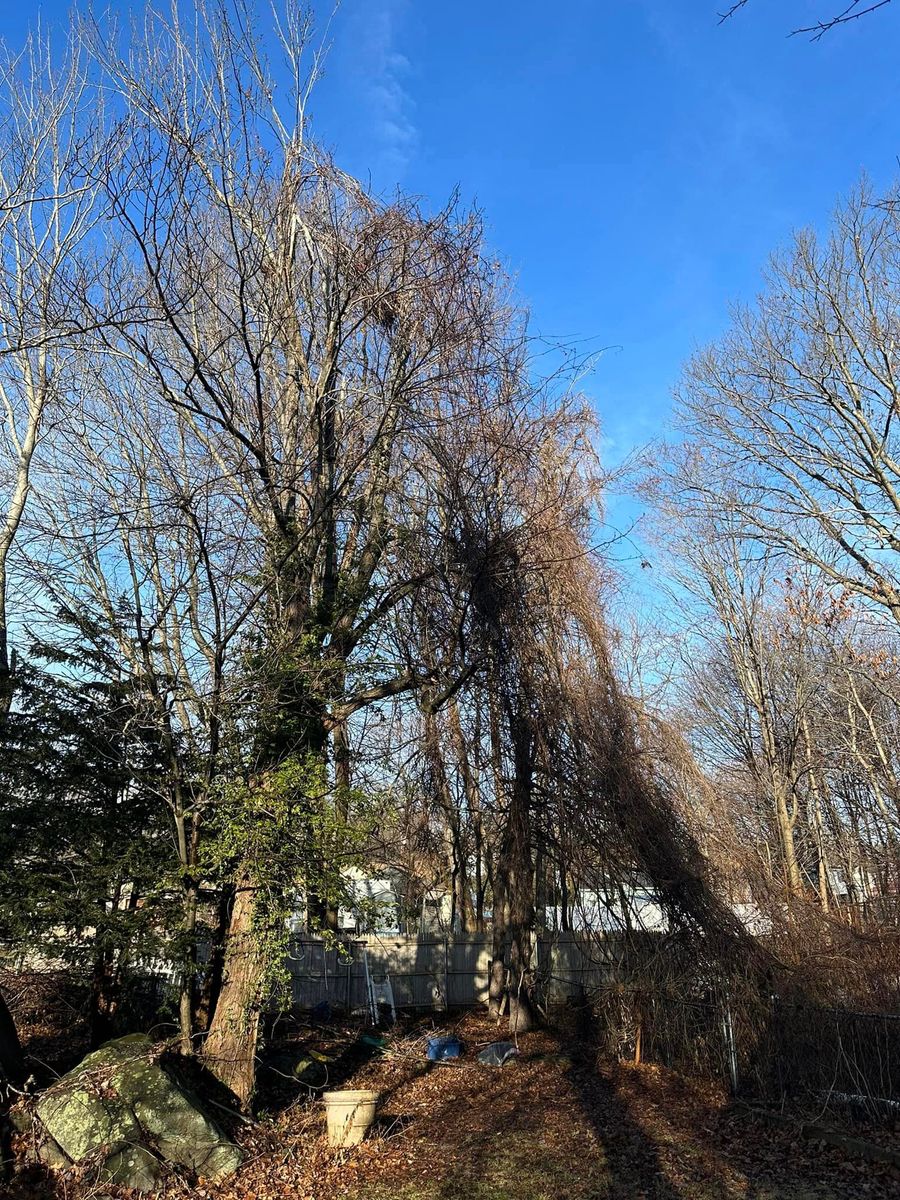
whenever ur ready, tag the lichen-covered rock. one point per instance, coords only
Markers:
(51, 1155)
(122, 1106)
(43, 1148)
(178, 1127)
(134, 1167)
(81, 1120)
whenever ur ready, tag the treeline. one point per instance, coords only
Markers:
(299, 567)
(782, 508)
(296, 541)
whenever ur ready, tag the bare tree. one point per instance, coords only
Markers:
(791, 417)
(776, 662)
(754, 720)
(302, 336)
(51, 140)
(51, 135)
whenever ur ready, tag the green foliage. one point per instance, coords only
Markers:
(82, 844)
(295, 835)
(88, 872)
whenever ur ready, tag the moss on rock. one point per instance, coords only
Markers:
(122, 1106)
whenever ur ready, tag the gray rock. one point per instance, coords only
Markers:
(44, 1149)
(134, 1167)
(178, 1126)
(121, 1106)
(82, 1121)
(51, 1155)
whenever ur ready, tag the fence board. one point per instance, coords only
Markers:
(433, 972)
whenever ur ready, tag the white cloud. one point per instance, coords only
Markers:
(387, 70)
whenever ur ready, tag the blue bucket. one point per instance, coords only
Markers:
(442, 1048)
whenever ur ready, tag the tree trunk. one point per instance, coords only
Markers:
(788, 847)
(104, 999)
(816, 792)
(564, 922)
(513, 979)
(230, 1048)
(472, 911)
(187, 832)
(342, 779)
(188, 968)
(521, 981)
(215, 967)
(460, 897)
(517, 859)
(12, 1061)
(479, 876)
(497, 977)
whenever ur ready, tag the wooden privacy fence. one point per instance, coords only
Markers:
(435, 972)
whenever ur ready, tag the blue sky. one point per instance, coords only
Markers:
(636, 162)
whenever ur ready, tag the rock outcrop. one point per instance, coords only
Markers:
(123, 1109)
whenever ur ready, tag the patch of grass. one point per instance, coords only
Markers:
(514, 1166)
(518, 1166)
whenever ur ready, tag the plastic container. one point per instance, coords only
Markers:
(349, 1115)
(497, 1054)
(442, 1048)
(374, 1041)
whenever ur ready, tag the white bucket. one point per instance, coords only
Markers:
(349, 1115)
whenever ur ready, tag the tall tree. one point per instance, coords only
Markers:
(301, 335)
(791, 418)
(51, 136)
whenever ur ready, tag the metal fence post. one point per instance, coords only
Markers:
(446, 972)
(730, 1045)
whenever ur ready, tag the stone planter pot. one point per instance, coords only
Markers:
(349, 1114)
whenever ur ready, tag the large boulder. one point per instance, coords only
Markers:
(123, 1107)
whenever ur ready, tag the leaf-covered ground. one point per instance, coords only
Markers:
(552, 1125)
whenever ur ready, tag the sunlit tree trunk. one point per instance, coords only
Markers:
(230, 1047)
